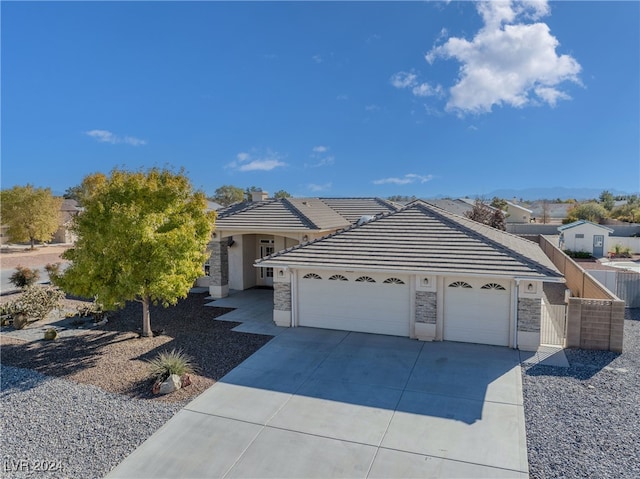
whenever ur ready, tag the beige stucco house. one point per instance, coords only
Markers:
(365, 264)
(585, 236)
(517, 213)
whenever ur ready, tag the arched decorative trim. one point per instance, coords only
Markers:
(460, 284)
(495, 286)
(338, 277)
(365, 279)
(393, 281)
(311, 276)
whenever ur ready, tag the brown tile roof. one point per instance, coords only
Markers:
(320, 214)
(422, 237)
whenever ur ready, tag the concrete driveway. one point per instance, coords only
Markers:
(319, 403)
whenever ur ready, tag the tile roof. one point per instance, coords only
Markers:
(323, 214)
(421, 237)
(457, 207)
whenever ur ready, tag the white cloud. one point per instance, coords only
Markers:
(319, 157)
(424, 89)
(317, 58)
(257, 162)
(105, 136)
(404, 79)
(404, 180)
(371, 107)
(342, 97)
(316, 188)
(508, 62)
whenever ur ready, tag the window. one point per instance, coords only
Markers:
(460, 284)
(365, 279)
(393, 281)
(338, 277)
(579, 235)
(495, 286)
(311, 276)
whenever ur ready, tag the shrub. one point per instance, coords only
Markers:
(167, 363)
(53, 270)
(37, 301)
(94, 309)
(578, 254)
(50, 334)
(24, 277)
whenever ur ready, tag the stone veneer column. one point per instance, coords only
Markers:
(426, 313)
(282, 299)
(529, 318)
(219, 269)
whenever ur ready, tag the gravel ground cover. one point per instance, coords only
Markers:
(54, 428)
(584, 421)
(77, 406)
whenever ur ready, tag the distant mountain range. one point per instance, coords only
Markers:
(552, 193)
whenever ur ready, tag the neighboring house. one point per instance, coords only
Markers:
(517, 213)
(63, 234)
(585, 236)
(68, 211)
(417, 271)
(250, 230)
(458, 207)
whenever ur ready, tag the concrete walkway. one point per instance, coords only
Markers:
(320, 403)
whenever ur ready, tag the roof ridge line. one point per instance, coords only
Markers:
(305, 219)
(249, 205)
(423, 205)
(342, 230)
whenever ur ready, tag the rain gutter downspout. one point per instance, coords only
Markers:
(515, 314)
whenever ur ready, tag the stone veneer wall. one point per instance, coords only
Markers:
(219, 263)
(426, 307)
(529, 314)
(282, 296)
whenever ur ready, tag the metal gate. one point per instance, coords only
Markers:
(628, 288)
(553, 324)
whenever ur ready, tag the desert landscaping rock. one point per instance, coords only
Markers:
(75, 430)
(584, 421)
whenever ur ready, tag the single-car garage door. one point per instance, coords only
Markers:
(477, 311)
(369, 303)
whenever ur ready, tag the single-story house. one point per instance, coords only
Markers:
(250, 230)
(583, 235)
(416, 271)
(518, 213)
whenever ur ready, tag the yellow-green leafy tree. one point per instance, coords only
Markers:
(142, 236)
(31, 214)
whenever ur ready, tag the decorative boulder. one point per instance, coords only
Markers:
(171, 384)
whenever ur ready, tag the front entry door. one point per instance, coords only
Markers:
(598, 246)
(265, 275)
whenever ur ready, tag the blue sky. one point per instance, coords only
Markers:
(325, 99)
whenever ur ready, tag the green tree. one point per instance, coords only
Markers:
(142, 236)
(31, 214)
(281, 194)
(591, 211)
(607, 200)
(227, 195)
(499, 203)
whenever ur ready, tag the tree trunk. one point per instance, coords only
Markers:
(146, 318)
(33, 243)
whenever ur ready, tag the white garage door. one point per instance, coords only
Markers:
(354, 302)
(477, 311)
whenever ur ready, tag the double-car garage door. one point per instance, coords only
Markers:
(474, 311)
(354, 302)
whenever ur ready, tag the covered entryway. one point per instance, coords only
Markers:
(477, 311)
(354, 302)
